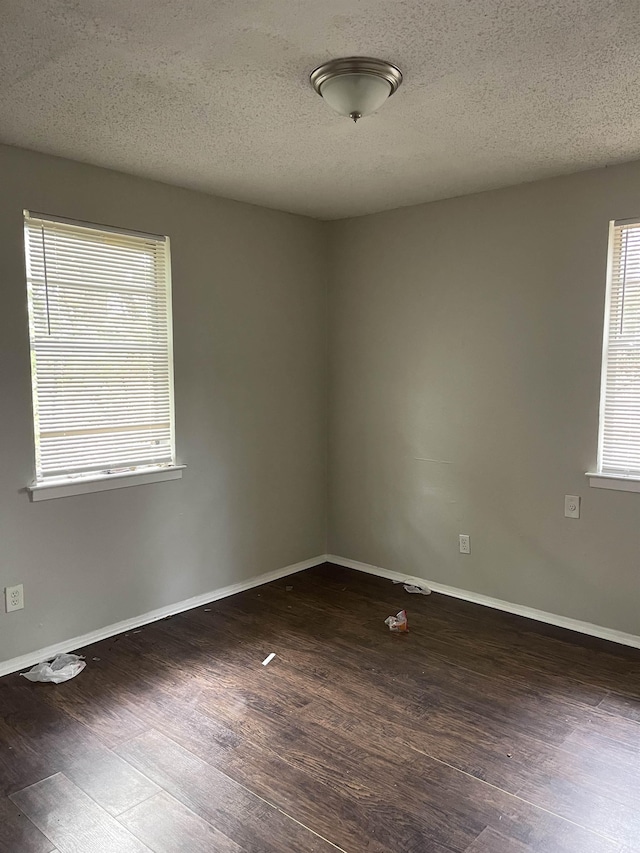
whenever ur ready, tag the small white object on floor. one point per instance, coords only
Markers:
(268, 659)
(414, 587)
(421, 590)
(61, 669)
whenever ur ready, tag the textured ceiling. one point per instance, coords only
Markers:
(213, 94)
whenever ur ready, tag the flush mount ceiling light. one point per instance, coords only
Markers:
(357, 85)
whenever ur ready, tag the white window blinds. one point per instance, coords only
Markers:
(101, 348)
(619, 440)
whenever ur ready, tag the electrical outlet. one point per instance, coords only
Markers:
(464, 541)
(572, 506)
(14, 597)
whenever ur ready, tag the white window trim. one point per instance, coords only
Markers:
(602, 479)
(618, 482)
(68, 486)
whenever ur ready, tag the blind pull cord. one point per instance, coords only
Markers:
(46, 283)
(624, 278)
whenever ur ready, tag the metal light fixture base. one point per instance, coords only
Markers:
(356, 65)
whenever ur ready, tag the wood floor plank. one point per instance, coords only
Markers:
(501, 758)
(493, 750)
(18, 834)
(302, 796)
(594, 793)
(71, 819)
(617, 742)
(353, 815)
(297, 793)
(21, 763)
(364, 785)
(39, 739)
(240, 815)
(36, 740)
(492, 841)
(107, 719)
(485, 654)
(166, 826)
(109, 780)
(426, 802)
(624, 706)
(518, 820)
(158, 695)
(332, 813)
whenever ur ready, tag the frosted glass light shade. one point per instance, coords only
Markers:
(355, 86)
(355, 94)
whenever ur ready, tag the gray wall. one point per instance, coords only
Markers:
(249, 305)
(466, 331)
(469, 332)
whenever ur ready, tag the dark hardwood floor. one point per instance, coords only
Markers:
(477, 731)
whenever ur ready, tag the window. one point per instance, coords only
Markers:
(101, 354)
(619, 438)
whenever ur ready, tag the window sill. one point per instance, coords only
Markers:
(65, 487)
(620, 482)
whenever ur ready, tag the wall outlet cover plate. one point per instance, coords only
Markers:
(572, 506)
(14, 598)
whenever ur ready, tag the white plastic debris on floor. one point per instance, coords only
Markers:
(421, 590)
(415, 588)
(58, 670)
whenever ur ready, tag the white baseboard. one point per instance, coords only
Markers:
(475, 597)
(31, 658)
(28, 660)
